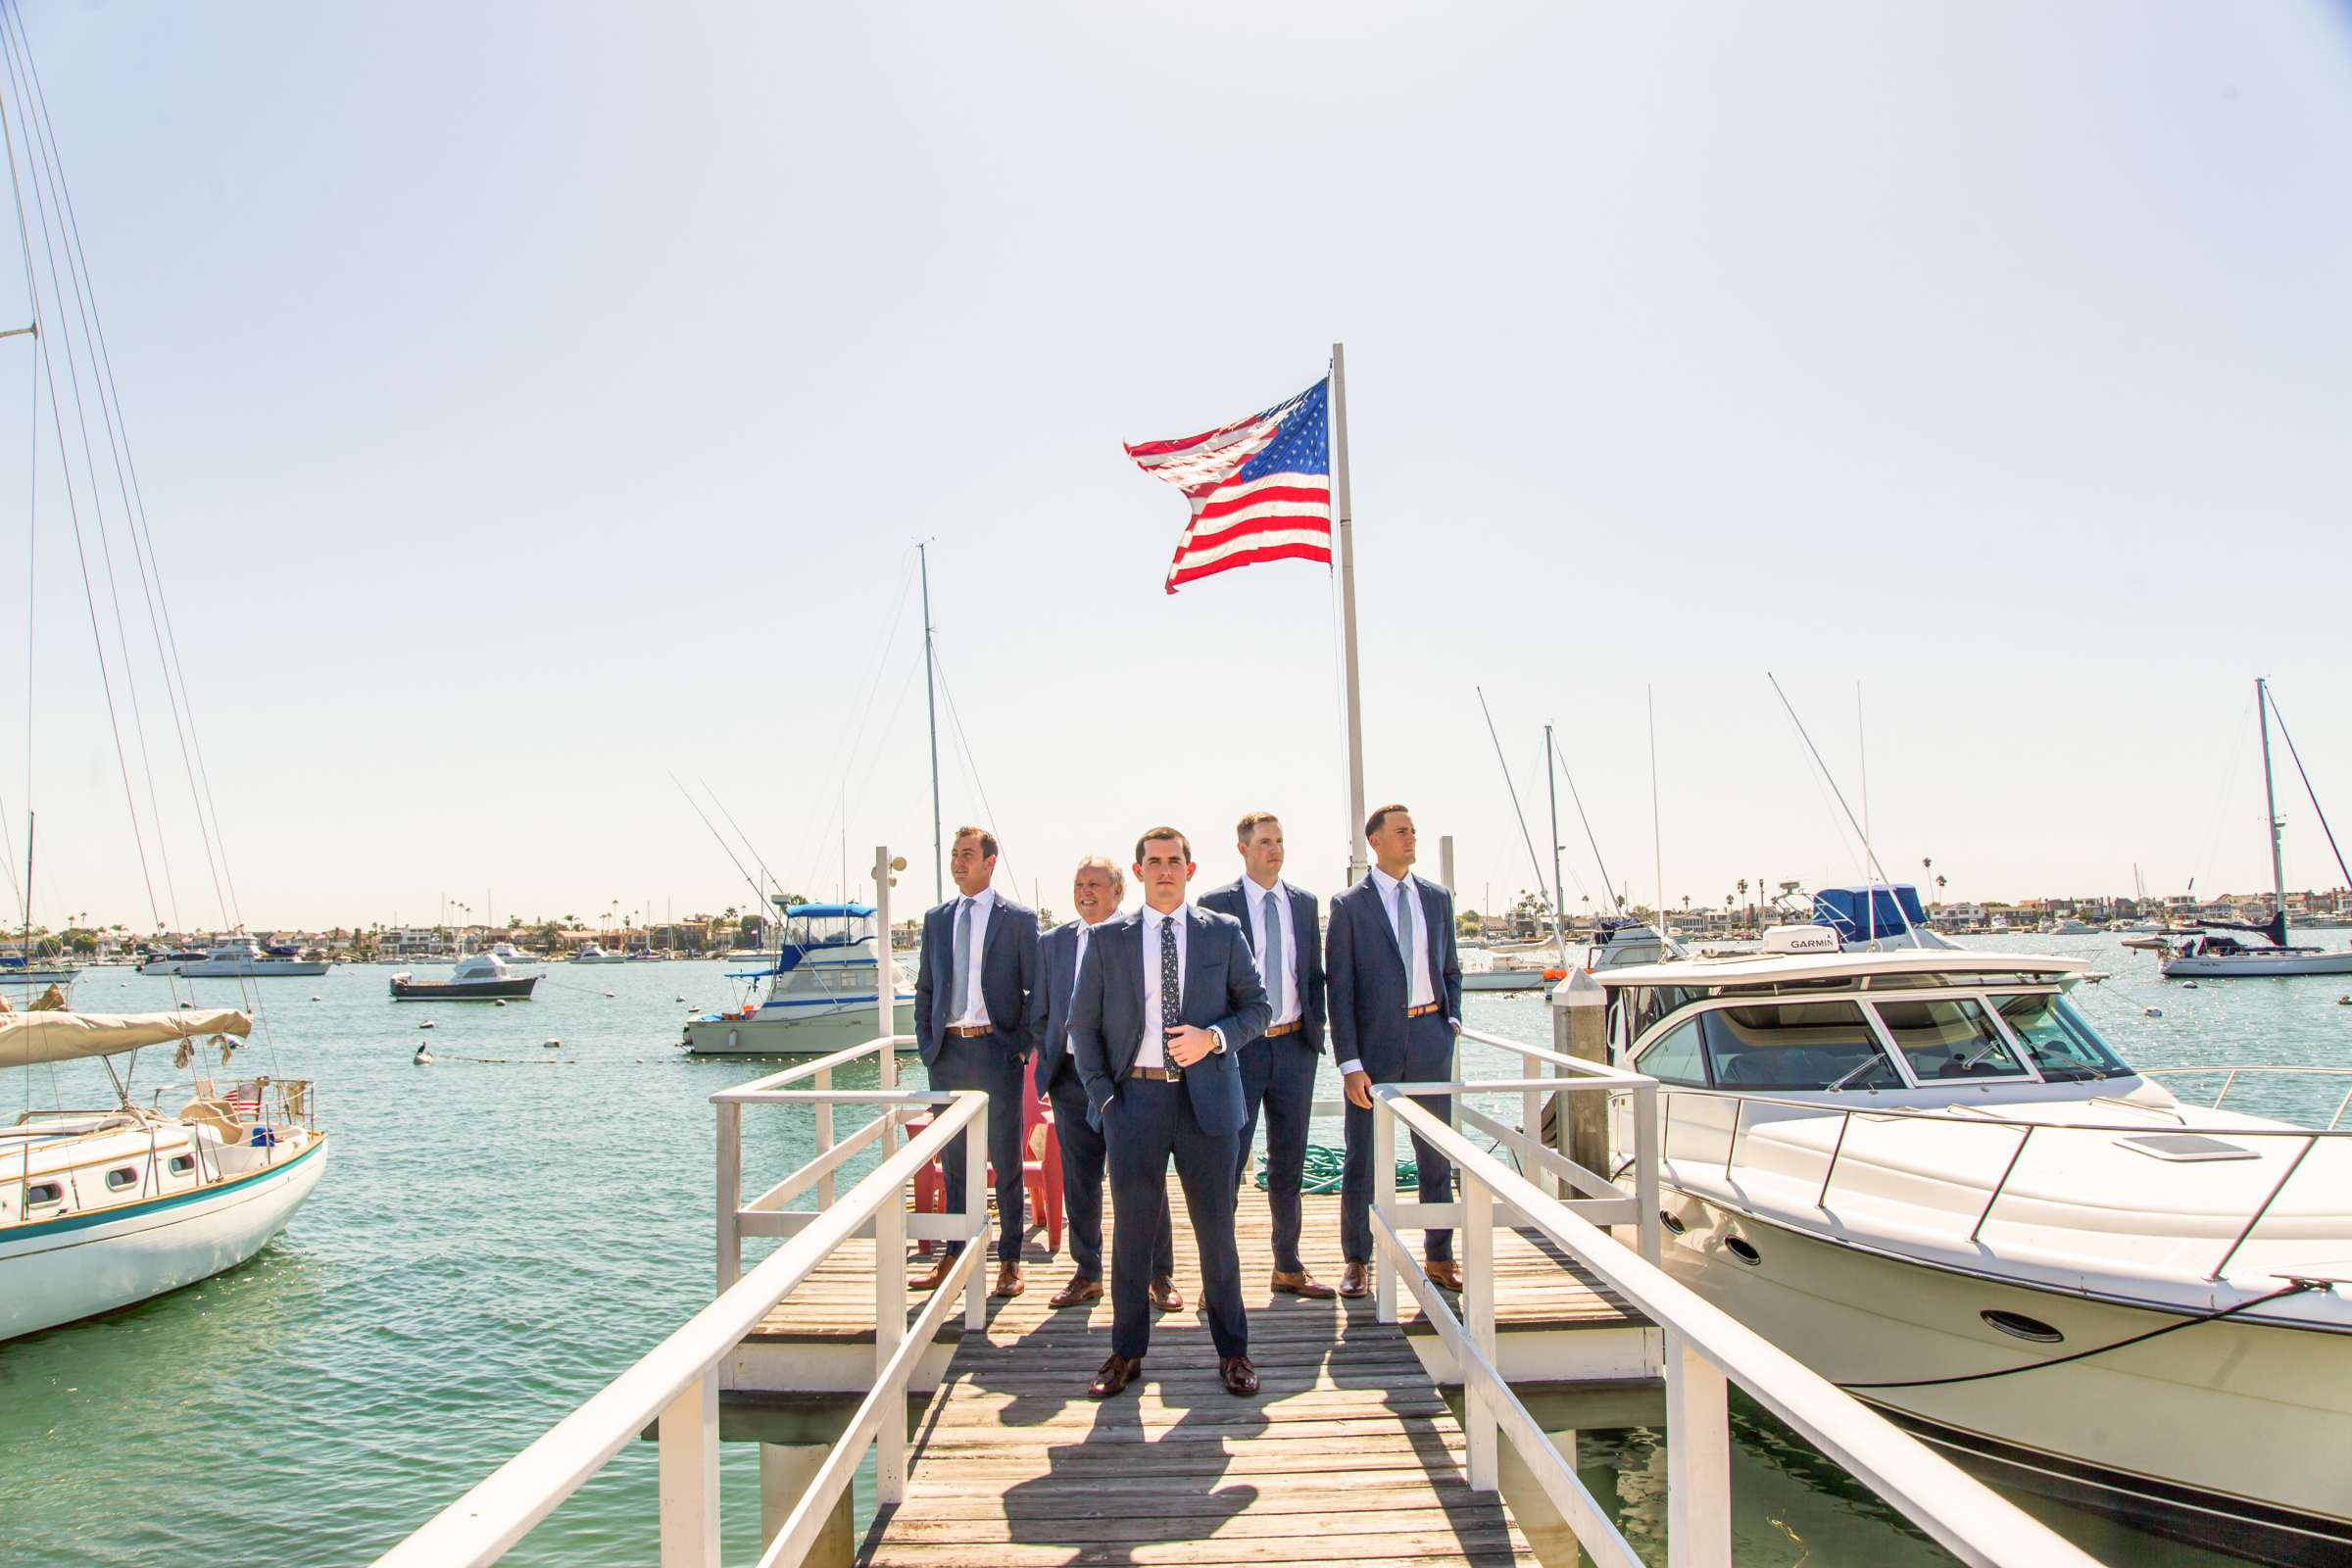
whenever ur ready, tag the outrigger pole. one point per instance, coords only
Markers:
(1357, 858)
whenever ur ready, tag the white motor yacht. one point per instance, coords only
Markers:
(590, 952)
(1921, 1172)
(249, 961)
(817, 994)
(170, 962)
(102, 1208)
(508, 953)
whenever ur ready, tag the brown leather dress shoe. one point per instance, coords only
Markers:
(1116, 1374)
(1356, 1280)
(937, 1276)
(1010, 1281)
(1165, 1296)
(1239, 1376)
(1445, 1272)
(1304, 1284)
(1080, 1288)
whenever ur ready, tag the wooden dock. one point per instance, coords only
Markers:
(1349, 1453)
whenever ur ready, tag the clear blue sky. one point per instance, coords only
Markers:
(532, 400)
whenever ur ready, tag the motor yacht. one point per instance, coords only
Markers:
(102, 1208)
(1923, 1172)
(590, 952)
(508, 953)
(170, 962)
(250, 960)
(478, 977)
(815, 996)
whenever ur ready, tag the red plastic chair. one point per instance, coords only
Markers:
(1041, 1170)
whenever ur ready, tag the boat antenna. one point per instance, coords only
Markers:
(1606, 886)
(1870, 884)
(1869, 857)
(2273, 698)
(722, 843)
(1657, 840)
(1560, 899)
(1525, 837)
(938, 893)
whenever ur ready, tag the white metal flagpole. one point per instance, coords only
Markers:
(1357, 861)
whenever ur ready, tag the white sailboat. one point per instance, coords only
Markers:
(2213, 954)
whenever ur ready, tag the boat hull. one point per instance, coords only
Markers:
(2254, 965)
(795, 1032)
(259, 969)
(66, 1270)
(514, 988)
(2233, 1429)
(1503, 980)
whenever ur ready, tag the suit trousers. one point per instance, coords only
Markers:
(1428, 1059)
(1082, 1171)
(1279, 1075)
(982, 1061)
(1146, 1123)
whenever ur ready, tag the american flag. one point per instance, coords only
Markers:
(1260, 488)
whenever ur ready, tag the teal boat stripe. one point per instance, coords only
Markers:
(107, 1216)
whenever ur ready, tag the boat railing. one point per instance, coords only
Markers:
(1706, 1351)
(2229, 1076)
(676, 1386)
(2008, 1136)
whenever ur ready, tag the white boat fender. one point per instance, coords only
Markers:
(502, 1001)
(611, 993)
(553, 1045)
(424, 1057)
(2188, 985)
(313, 997)
(427, 1024)
(2151, 1013)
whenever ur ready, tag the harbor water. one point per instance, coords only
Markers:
(501, 1233)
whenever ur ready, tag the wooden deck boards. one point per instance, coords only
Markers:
(1347, 1454)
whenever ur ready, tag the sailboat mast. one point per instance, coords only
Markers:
(931, 705)
(2270, 799)
(1559, 910)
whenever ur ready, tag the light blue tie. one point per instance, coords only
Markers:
(960, 956)
(1405, 935)
(1270, 961)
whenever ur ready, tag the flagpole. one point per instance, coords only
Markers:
(1357, 860)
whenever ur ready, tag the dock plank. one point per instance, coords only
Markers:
(1349, 1454)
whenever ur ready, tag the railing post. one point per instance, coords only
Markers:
(687, 1434)
(886, 992)
(1699, 1458)
(1384, 1200)
(890, 1329)
(1478, 1323)
(1531, 1124)
(975, 1207)
(730, 1194)
(1646, 1139)
(824, 1134)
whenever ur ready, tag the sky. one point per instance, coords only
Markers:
(531, 403)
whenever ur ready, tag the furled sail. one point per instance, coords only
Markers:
(29, 1037)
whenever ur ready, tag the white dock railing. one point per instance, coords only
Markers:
(1706, 1350)
(675, 1386)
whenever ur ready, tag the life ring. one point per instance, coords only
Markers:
(1555, 974)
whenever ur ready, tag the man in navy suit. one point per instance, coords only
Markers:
(1094, 893)
(1395, 983)
(971, 1024)
(1167, 996)
(1278, 1068)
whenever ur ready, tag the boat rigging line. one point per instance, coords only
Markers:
(1606, 886)
(746, 836)
(1869, 856)
(722, 843)
(971, 764)
(2297, 757)
(1558, 925)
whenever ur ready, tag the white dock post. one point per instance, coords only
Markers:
(975, 1205)
(785, 1472)
(1478, 1323)
(886, 986)
(1699, 1459)
(1383, 1200)
(890, 1331)
(1580, 1028)
(730, 1194)
(687, 1435)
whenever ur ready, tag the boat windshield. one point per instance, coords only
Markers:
(1804, 1045)
(2064, 1047)
(1945, 1040)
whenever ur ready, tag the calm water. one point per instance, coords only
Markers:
(501, 1233)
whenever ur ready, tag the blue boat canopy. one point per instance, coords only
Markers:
(826, 911)
(1867, 913)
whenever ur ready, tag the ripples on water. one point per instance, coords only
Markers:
(496, 1237)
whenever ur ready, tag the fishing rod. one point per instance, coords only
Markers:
(722, 843)
(1869, 855)
(746, 836)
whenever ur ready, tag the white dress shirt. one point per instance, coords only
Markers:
(1417, 993)
(975, 1005)
(1152, 1052)
(1287, 959)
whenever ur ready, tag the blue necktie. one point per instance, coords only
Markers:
(1170, 993)
(959, 954)
(1405, 935)
(1270, 961)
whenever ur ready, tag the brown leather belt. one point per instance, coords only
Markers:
(1422, 1011)
(1281, 1029)
(1156, 1074)
(970, 1031)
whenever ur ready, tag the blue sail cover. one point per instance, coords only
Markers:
(1850, 911)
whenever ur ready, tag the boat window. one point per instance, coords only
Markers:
(1796, 1044)
(2064, 1047)
(43, 1193)
(1649, 1003)
(1677, 1058)
(182, 1164)
(1946, 1040)
(119, 1177)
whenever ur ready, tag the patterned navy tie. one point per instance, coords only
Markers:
(1170, 995)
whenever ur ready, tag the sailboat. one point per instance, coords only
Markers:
(2212, 955)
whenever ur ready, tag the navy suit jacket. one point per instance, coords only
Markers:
(1049, 998)
(1221, 992)
(1008, 973)
(1306, 940)
(1366, 976)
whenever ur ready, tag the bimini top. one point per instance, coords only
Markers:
(826, 911)
(1782, 968)
(1869, 913)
